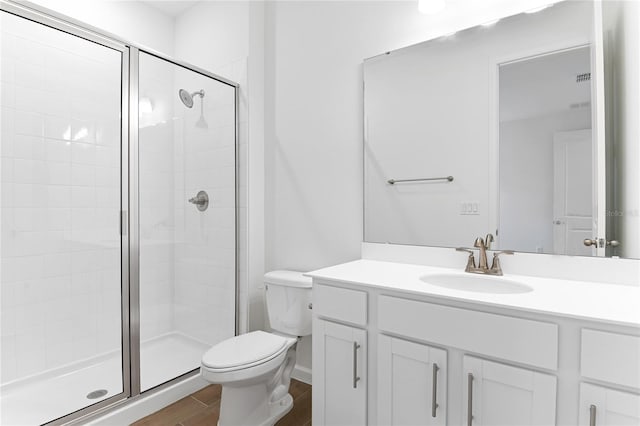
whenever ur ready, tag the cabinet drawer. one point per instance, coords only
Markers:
(340, 304)
(515, 339)
(610, 357)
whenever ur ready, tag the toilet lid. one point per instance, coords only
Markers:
(244, 349)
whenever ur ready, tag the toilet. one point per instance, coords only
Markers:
(255, 368)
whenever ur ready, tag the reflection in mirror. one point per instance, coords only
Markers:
(531, 120)
(545, 153)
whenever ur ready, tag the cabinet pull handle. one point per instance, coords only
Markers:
(592, 415)
(356, 346)
(434, 391)
(469, 399)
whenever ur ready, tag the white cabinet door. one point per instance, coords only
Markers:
(412, 383)
(498, 394)
(339, 374)
(606, 407)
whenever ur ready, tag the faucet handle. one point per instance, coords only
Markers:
(471, 260)
(496, 268)
(465, 249)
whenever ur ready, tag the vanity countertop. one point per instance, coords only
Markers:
(610, 303)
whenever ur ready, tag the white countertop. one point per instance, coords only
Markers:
(610, 303)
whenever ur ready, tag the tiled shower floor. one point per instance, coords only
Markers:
(54, 394)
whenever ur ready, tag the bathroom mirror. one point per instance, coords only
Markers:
(517, 128)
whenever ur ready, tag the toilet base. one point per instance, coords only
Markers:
(263, 413)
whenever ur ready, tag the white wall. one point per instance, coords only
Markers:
(527, 176)
(313, 117)
(132, 21)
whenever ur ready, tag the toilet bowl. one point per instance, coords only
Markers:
(255, 368)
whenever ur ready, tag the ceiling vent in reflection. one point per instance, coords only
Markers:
(580, 78)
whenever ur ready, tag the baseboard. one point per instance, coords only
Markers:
(302, 374)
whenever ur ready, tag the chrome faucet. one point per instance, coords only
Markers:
(483, 268)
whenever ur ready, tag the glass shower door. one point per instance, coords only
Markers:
(187, 217)
(61, 248)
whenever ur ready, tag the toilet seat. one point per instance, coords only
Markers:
(245, 351)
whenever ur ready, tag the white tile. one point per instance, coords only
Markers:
(83, 175)
(83, 197)
(7, 170)
(7, 69)
(85, 282)
(58, 219)
(83, 131)
(56, 264)
(58, 354)
(57, 128)
(59, 331)
(27, 123)
(28, 147)
(58, 173)
(8, 322)
(29, 75)
(29, 350)
(57, 150)
(8, 95)
(83, 153)
(8, 353)
(28, 99)
(107, 177)
(28, 317)
(58, 196)
(85, 261)
(57, 289)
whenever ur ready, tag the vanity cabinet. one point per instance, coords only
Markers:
(387, 357)
(412, 383)
(499, 394)
(602, 406)
(615, 359)
(340, 348)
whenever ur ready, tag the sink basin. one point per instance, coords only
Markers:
(476, 283)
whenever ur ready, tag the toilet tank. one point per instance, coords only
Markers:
(288, 295)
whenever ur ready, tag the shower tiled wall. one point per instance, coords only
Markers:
(156, 201)
(60, 150)
(204, 287)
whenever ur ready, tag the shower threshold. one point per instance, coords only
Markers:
(55, 393)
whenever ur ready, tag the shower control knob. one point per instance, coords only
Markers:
(201, 201)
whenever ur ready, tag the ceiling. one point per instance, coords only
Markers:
(545, 84)
(172, 8)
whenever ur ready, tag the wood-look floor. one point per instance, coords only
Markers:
(203, 409)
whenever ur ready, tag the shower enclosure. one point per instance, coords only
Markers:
(118, 218)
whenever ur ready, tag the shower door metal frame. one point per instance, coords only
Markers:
(129, 187)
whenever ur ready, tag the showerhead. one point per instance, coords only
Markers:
(187, 98)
